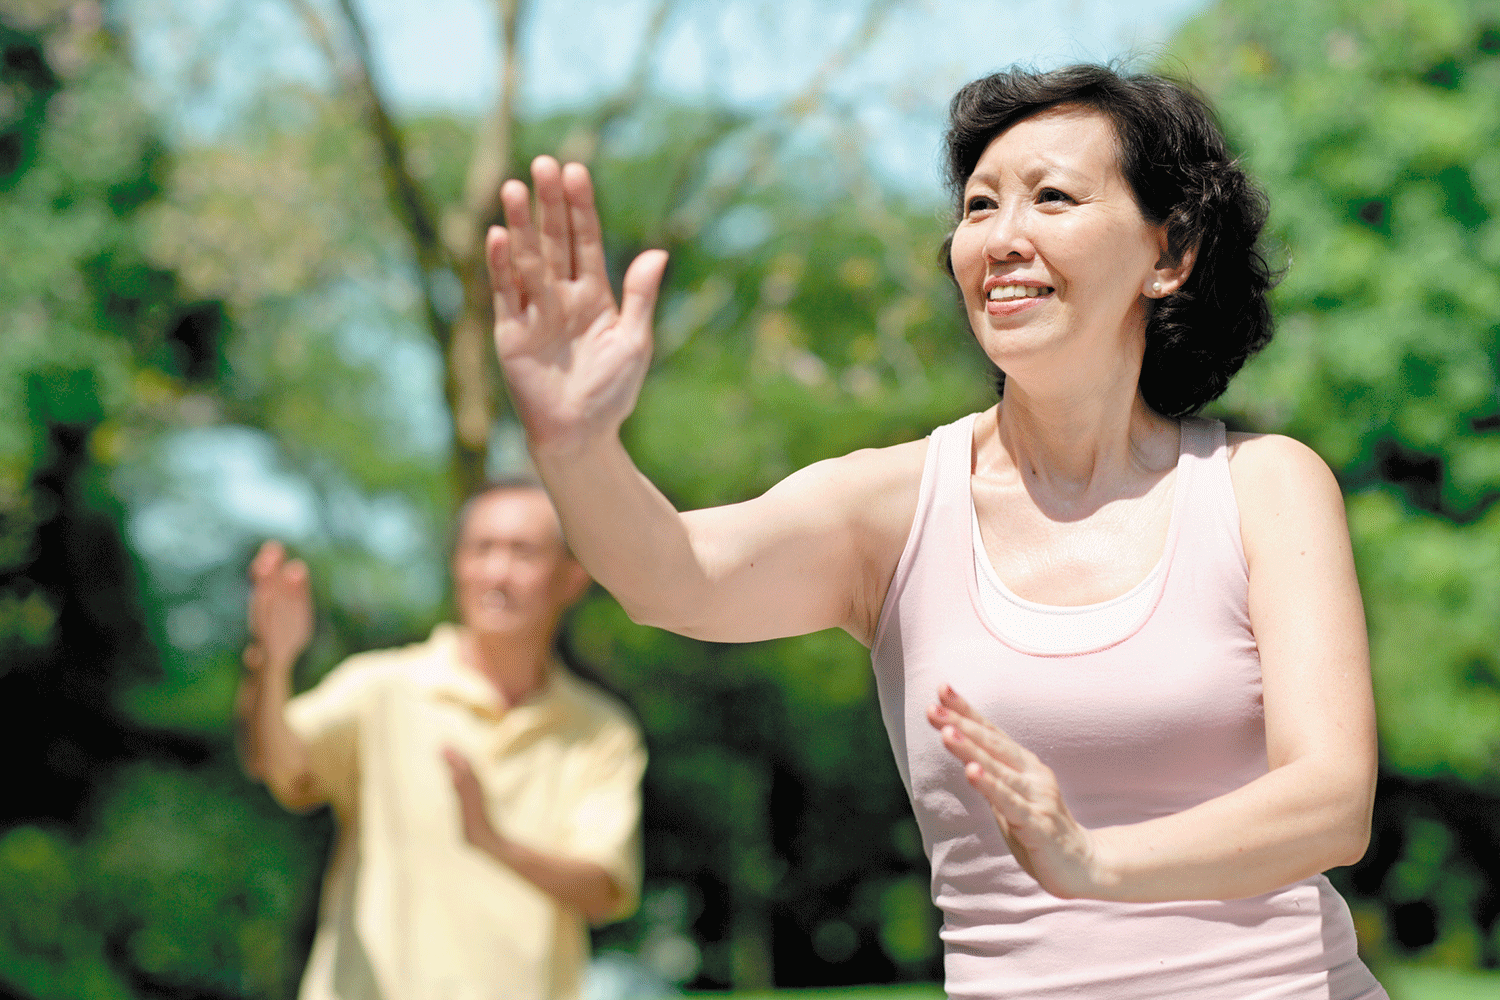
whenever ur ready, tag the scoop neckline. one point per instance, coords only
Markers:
(1160, 570)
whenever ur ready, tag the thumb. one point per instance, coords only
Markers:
(641, 287)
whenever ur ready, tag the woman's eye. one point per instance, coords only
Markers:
(1052, 194)
(978, 203)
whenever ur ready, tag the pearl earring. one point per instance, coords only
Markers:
(1156, 287)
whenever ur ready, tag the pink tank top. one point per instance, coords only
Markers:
(1149, 722)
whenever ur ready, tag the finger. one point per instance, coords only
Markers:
(556, 239)
(951, 699)
(641, 287)
(984, 733)
(294, 574)
(1011, 808)
(583, 222)
(525, 248)
(504, 286)
(267, 558)
(1001, 804)
(969, 751)
(960, 713)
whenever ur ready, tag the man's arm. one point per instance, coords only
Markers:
(280, 619)
(583, 886)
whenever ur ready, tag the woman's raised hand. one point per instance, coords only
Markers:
(574, 359)
(1024, 796)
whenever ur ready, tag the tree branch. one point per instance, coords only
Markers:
(689, 217)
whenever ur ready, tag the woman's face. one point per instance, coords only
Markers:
(1052, 253)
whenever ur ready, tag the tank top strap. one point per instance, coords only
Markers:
(952, 498)
(939, 528)
(1210, 512)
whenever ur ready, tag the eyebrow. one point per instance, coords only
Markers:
(1047, 163)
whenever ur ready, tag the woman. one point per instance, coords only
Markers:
(1166, 729)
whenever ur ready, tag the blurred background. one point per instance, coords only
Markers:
(241, 296)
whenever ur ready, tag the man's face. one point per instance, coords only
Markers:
(511, 572)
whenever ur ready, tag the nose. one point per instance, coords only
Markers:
(1007, 237)
(497, 563)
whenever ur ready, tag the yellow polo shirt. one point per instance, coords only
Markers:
(410, 910)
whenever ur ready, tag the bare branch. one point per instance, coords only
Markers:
(406, 197)
(465, 374)
(318, 33)
(583, 141)
(493, 149)
(708, 202)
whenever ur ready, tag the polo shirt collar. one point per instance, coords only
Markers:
(448, 676)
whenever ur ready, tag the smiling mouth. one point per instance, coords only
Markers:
(1006, 293)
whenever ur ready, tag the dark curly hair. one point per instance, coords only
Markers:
(1173, 155)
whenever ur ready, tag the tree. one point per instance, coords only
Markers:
(102, 349)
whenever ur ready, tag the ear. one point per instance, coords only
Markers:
(1171, 272)
(574, 580)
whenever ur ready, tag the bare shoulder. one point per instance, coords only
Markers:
(876, 472)
(872, 489)
(1285, 492)
(1264, 465)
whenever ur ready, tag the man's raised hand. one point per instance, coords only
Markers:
(573, 358)
(280, 612)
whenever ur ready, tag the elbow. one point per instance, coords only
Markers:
(1351, 835)
(607, 905)
(645, 614)
(1358, 847)
(669, 617)
(296, 793)
(1353, 839)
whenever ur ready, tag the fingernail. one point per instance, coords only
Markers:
(940, 711)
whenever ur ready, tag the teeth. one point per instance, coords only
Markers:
(1002, 292)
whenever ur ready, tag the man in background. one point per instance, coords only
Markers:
(487, 800)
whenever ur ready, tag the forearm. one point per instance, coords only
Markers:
(1295, 821)
(582, 886)
(269, 750)
(624, 531)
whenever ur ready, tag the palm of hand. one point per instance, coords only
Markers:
(586, 380)
(476, 823)
(281, 614)
(1025, 799)
(573, 359)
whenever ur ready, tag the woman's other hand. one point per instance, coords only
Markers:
(574, 360)
(1024, 796)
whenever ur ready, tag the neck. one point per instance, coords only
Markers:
(1077, 442)
(518, 667)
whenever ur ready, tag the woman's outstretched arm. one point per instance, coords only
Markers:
(814, 552)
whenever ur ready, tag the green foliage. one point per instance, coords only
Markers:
(1376, 131)
(133, 859)
(252, 298)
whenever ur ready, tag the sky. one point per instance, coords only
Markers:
(205, 58)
